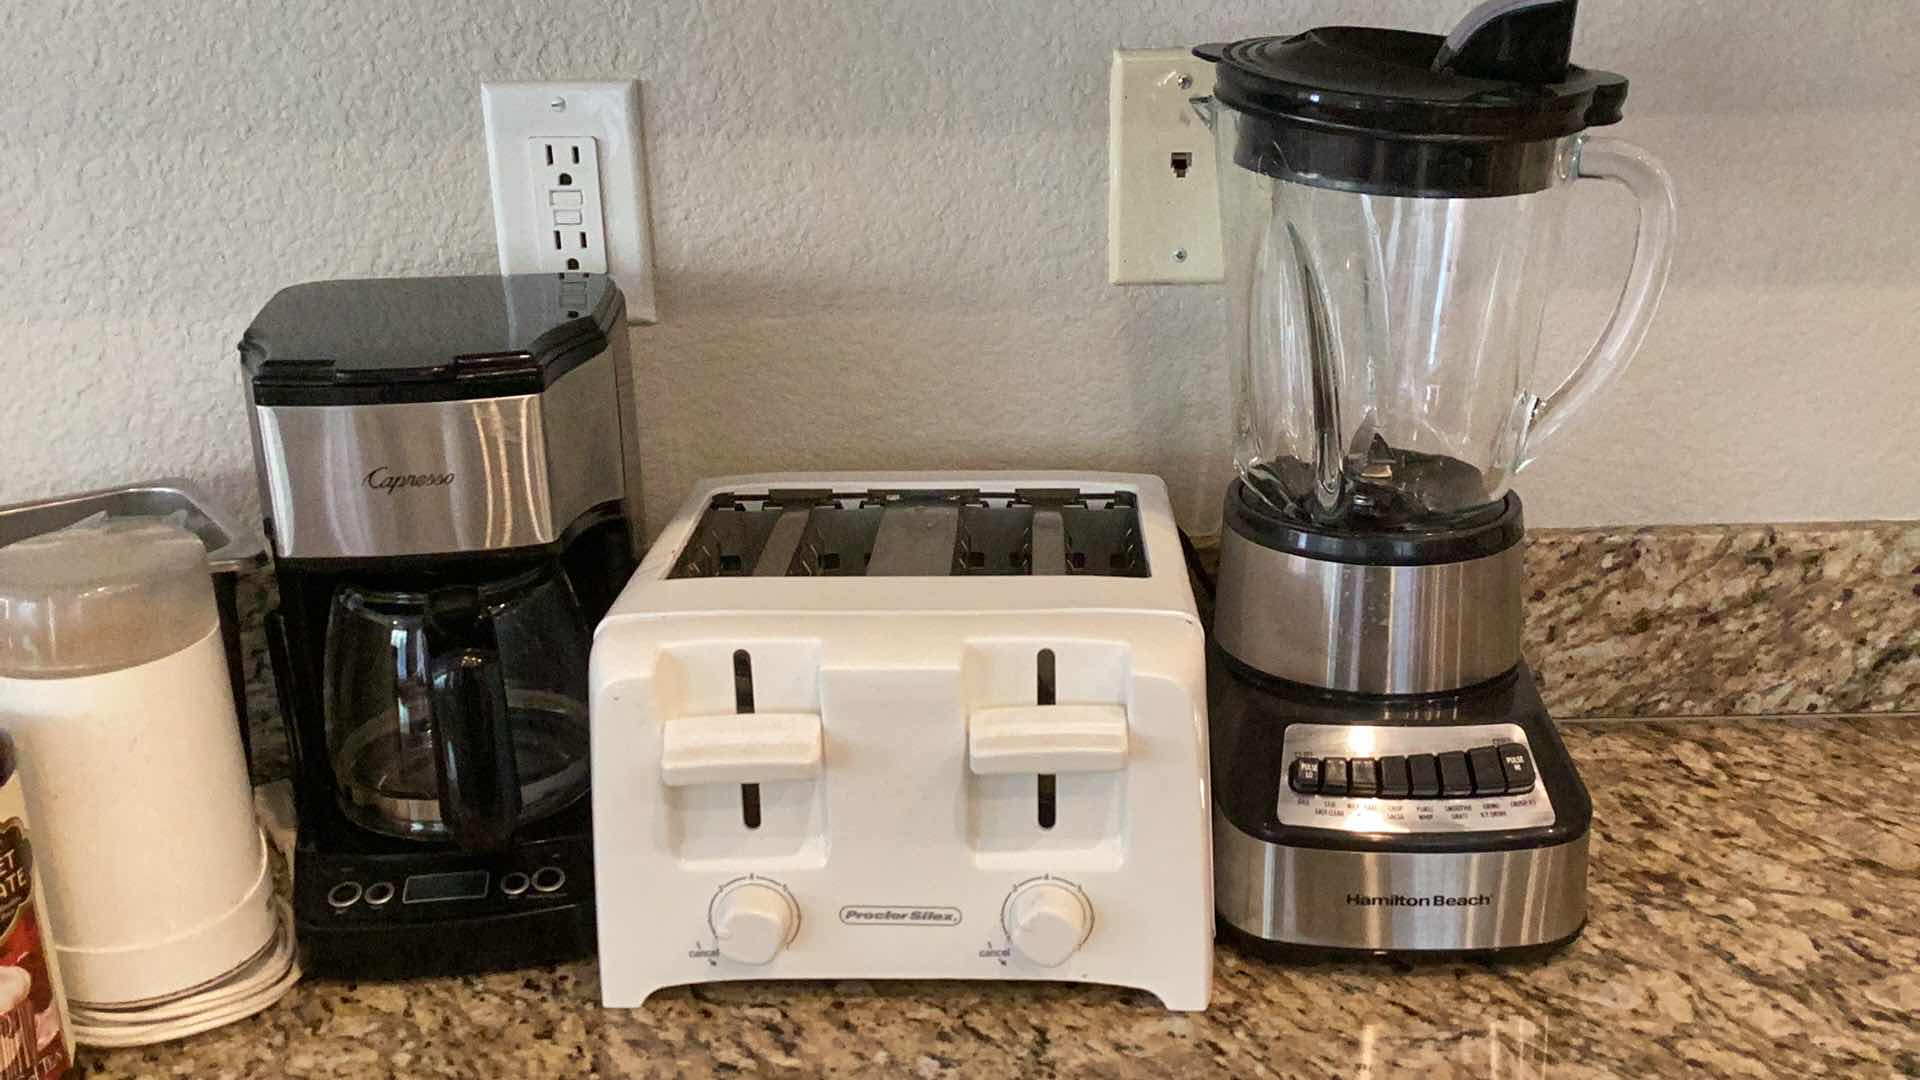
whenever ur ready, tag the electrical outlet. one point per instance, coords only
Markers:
(565, 177)
(1163, 202)
(569, 182)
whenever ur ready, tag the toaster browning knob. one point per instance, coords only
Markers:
(752, 922)
(1047, 921)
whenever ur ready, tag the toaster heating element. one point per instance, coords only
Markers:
(905, 726)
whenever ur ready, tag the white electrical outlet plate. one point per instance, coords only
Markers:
(1163, 203)
(570, 182)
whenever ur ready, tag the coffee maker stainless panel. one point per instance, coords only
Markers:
(481, 474)
(1399, 900)
(1368, 628)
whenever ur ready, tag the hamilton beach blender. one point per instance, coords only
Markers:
(1386, 779)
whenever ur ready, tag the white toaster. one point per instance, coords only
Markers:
(927, 725)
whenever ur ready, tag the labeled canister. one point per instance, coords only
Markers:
(35, 1039)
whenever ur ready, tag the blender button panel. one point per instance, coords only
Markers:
(1333, 776)
(514, 883)
(1456, 779)
(549, 879)
(344, 895)
(1304, 777)
(1363, 778)
(1488, 777)
(380, 892)
(1517, 765)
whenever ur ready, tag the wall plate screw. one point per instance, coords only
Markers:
(558, 104)
(1179, 254)
(1184, 82)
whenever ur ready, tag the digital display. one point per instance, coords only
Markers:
(428, 888)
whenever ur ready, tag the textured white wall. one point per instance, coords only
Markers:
(881, 234)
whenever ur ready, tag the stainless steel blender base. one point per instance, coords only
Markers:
(1398, 901)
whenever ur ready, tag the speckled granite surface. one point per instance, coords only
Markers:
(1736, 620)
(1755, 912)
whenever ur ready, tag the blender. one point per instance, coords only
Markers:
(1386, 779)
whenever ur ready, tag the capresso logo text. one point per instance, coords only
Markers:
(1403, 900)
(383, 479)
(893, 915)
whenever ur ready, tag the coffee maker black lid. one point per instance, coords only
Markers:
(1393, 112)
(391, 340)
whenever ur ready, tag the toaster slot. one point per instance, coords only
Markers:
(993, 540)
(728, 542)
(837, 542)
(1104, 539)
(783, 543)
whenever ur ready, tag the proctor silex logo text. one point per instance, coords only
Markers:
(893, 915)
(382, 479)
(1403, 900)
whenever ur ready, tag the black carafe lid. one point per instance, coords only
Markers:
(393, 340)
(1392, 112)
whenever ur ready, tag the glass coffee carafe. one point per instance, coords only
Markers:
(1391, 228)
(458, 713)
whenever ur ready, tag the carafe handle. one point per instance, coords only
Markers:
(1628, 165)
(473, 727)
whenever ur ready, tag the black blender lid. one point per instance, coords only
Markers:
(425, 339)
(1396, 112)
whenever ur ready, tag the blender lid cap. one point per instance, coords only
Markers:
(385, 340)
(1398, 112)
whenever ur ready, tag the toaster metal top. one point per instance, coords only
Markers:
(915, 532)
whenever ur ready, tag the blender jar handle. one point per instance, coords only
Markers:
(473, 728)
(1628, 165)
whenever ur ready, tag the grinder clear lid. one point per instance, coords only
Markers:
(99, 597)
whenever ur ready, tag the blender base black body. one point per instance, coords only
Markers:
(1386, 780)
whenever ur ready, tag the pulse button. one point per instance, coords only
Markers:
(1304, 777)
(344, 895)
(549, 879)
(1517, 765)
(514, 883)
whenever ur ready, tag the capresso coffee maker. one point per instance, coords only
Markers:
(1385, 777)
(448, 470)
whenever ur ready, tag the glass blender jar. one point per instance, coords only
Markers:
(1386, 779)
(1391, 208)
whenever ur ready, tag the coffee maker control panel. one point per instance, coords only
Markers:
(1436, 779)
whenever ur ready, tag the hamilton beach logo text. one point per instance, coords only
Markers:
(1403, 900)
(871, 915)
(381, 479)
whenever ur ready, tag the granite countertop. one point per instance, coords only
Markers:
(1755, 893)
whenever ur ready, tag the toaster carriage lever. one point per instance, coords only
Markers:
(745, 748)
(1047, 739)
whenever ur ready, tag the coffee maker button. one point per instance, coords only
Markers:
(514, 883)
(379, 893)
(1423, 776)
(1305, 776)
(1517, 765)
(1333, 776)
(344, 895)
(1394, 782)
(1488, 777)
(1456, 779)
(549, 879)
(1363, 778)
